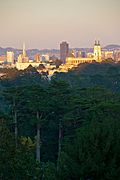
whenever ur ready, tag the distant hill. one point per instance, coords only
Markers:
(30, 52)
(112, 47)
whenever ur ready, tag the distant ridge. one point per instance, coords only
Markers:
(112, 46)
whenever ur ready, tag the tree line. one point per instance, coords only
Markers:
(58, 129)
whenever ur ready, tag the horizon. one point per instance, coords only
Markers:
(20, 48)
(44, 24)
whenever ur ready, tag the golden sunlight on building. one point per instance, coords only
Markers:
(24, 61)
(23, 58)
(10, 57)
(97, 52)
(109, 55)
(72, 61)
(96, 56)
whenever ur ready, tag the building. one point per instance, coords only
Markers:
(23, 58)
(90, 55)
(10, 57)
(81, 54)
(117, 55)
(109, 55)
(37, 58)
(3, 59)
(72, 61)
(64, 51)
(22, 66)
(75, 61)
(24, 61)
(96, 56)
(45, 58)
(97, 52)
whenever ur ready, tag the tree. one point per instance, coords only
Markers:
(94, 152)
(60, 94)
(37, 101)
(49, 171)
(13, 96)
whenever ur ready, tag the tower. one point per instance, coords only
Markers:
(97, 52)
(64, 50)
(23, 58)
(24, 51)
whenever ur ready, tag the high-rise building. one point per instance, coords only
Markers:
(10, 57)
(64, 51)
(97, 52)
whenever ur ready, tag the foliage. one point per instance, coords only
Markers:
(78, 118)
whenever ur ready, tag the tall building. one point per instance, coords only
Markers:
(10, 57)
(97, 52)
(64, 51)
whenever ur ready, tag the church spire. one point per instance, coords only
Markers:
(24, 51)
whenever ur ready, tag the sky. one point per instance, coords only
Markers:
(45, 23)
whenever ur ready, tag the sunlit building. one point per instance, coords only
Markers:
(97, 52)
(10, 57)
(96, 56)
(90, 55)
(81, 54)
(37, 58)
(3, 58)
(24, 61)
(23, 58)
(45, 58)
(117, 55)
(109, 55)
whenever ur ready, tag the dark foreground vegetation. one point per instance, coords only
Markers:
(64, 129)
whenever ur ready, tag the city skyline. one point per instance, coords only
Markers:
(20, 47)
(44, 24)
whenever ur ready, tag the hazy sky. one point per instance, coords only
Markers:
(45, 23)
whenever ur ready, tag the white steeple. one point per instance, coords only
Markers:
(24, 51)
